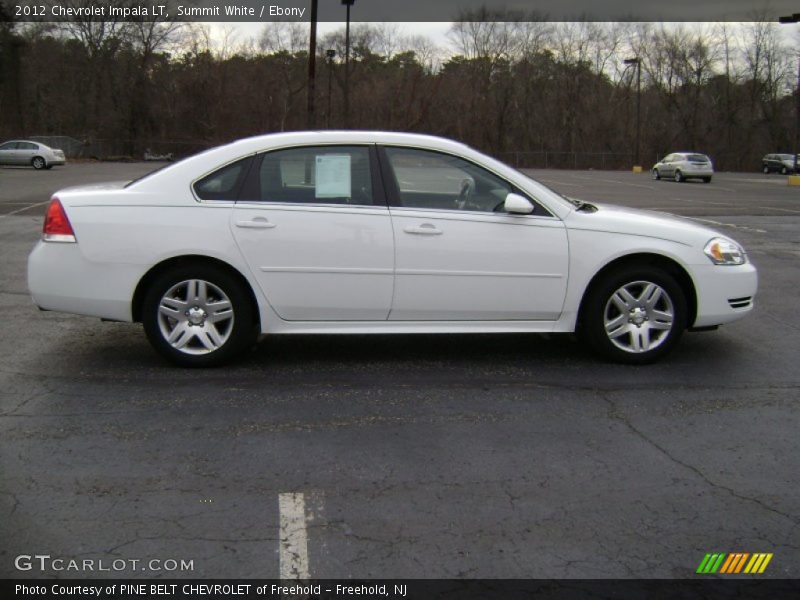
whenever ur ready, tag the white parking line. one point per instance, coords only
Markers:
(784, 209)
(13, 212)
(293, 536)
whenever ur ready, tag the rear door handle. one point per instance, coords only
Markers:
(424, 229)
(257, 223)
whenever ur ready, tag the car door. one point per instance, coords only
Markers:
(8, 153)
(313, 225)
(667, 168)
(25, 152)
(458, 255)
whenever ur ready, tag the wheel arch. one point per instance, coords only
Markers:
(666, 263)
(188, 259)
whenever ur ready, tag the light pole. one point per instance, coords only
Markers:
(638, 62)
(312, 67)
(794, 18)
(348, 4)
(331, 54)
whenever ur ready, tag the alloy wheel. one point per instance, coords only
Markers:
(195, 317)
(639, 317)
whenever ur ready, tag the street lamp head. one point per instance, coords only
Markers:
(330, 53)
(631, 61)
(348, 2)
(789, 19)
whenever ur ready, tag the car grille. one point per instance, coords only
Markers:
(740, 302)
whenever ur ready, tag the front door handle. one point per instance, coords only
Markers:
(424, 229)
(257, 223)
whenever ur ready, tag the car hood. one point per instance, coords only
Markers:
(645, 223)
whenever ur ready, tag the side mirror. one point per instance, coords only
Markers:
(517, 205)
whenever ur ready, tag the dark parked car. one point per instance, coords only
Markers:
(778, 163)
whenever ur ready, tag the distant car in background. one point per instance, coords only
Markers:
(778, 163)
(35, 154)
(681, 166)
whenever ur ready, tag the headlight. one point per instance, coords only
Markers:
(722, 251)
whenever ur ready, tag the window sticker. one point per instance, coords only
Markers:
(333, 176)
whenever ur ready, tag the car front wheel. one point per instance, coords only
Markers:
(678, 176)
(635, 316)
(656, 174)
(198, 316)
(766, 170)
(38, 163)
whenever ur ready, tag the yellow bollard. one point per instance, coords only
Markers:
(637, 169)
(794, 179)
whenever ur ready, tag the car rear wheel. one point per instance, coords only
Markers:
(198, 316)
(766, 170)
(656, 174)
(784, 170)
(678, 177)
(634, 316)
(38, 163)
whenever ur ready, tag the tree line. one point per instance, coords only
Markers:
(511, 84)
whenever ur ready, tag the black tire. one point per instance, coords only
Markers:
(706, 179)
(598, 305)
(241, 332)
(679, 177)
(784, 170)
(38, 163)
(765, 170)
(656, 174)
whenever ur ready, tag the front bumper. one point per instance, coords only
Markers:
(724, 294)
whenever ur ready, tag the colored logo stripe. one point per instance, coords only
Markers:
(722, 562)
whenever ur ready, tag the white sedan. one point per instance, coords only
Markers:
(374, 232)
(34, 154)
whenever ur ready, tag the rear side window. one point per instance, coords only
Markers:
(315, 175)
(27, 146)
(701, 158)
(224, 183)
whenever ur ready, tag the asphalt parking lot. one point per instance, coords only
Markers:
(510, 456)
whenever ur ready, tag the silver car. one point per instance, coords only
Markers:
(681, 166)
(34, 154)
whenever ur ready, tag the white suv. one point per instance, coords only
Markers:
(681, 166)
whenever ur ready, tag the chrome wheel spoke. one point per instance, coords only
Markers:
(180, 336)
(616, 326)
(172, 307)
(210, 337)
(651, 295)
(219, 310)
(640, 339)
(624, 300)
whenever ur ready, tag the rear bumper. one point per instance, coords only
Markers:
(724, 294)
(61, 279)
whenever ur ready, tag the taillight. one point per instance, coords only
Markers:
(56, 224)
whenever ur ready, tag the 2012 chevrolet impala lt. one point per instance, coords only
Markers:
(375, 232)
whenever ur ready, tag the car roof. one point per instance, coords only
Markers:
(28, 141)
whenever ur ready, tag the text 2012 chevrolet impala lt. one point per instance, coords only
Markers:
(374, 232)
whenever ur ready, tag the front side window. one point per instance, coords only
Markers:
(224, 183)
(317, 175)
(9, 146)
(427, 179)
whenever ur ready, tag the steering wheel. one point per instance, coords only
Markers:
(467, 187)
